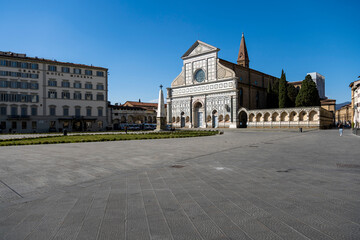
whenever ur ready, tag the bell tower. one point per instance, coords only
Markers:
(243, 57)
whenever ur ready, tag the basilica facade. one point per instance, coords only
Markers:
(211, 92)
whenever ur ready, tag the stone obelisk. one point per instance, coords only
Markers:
(161, 115)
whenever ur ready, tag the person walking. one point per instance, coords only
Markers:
(341, 129)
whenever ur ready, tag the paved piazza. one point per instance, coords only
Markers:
(244, 184)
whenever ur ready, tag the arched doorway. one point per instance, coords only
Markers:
(182, 120)
(215, 121)
(242, 119)
(198, 115)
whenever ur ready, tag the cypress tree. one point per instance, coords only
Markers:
(269, 96)
(275, 93)
(308, 95)
(282, 91)
(292, 92)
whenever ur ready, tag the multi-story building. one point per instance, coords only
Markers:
(355, 102)
(344, 114)
(132, 112)
(41, 95)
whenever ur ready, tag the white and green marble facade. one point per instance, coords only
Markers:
(215, 98)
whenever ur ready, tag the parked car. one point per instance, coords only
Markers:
(148, 126)
(134, 127)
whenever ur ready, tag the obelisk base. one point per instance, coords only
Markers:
(161, 124)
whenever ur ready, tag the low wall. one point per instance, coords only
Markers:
(303, 117)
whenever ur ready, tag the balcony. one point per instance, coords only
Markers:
(18, 117)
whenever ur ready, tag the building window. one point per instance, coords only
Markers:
(65, 95)
(34, 85)
(100, 112)
(52, 83)
(52, 110)
(4, 97)
(65, 84)
(88, 85)
(23, 98)
(52, 124)
(23, 125)
(99, 74)
(13, 84)
(14, 111)
(52, 94)
(3, 83)
(23, 111)
(34, 66)
(88, 112)
(65, 69)
(2, 110)
(100, 124)
(88, 72)
(34, 98)
(100, 97)
(77, 95)
(77, 70)
(77, 85)
(3, 125)
(100, 87)
(88, 96)
(23, 85)
(13, 125)
(66, 111)
(33, 111)
(77, 112)
(34, 125)
(52, 68)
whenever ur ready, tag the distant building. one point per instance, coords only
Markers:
(344, 114)
(41, 95)
(132, 112)
(355, 102)
(319, 81)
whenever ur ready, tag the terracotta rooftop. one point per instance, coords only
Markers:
(297, 82)
(234, 65)
(122, 107)
(146, 105)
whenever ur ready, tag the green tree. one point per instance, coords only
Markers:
(283, 91)
(308, 95)
(292, 92)
(275, 94)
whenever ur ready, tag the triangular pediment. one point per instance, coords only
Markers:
(199, 48)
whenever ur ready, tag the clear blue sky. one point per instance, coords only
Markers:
(141, 42)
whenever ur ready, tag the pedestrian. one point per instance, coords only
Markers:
(125, 129)
(341, 129)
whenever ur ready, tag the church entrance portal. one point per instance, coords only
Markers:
(215, 121)
(242, 119)
(182, 120)
(199, 115)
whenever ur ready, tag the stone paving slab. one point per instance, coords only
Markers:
(240, 185)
